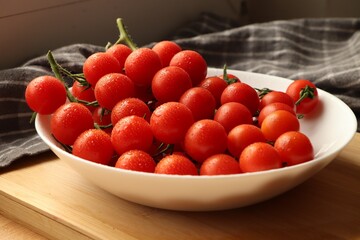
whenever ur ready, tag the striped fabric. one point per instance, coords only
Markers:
(18, 137)
(326, 51)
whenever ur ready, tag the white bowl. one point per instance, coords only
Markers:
(330, 128)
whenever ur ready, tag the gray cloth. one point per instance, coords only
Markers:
(325, 51)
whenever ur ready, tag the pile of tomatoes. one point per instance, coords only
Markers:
(156, 110)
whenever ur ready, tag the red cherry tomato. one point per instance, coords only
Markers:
(112, 88)
(120, 52)
(305, 95)
(276, 96)
(176, 164)
(128, 107)
(170, 83)
(101, 116)
(241, 93)
(84, 93)
(259, 156)
(279, 122)
(94, 145)
(294, 148)
(141, 66)
(272, 107)
(232, 114)
(131, 132)
(242, 136)
(200, 101)
(193, 63)
(216, 86)
(170, 121)
(98, 65)
(136, 160)
(166, 50)
(69, 121)
(205, 138)
(45, 94)
(220, 164)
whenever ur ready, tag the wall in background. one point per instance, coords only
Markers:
(31, 28)
(261, 11)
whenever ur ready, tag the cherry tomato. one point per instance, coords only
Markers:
(136, 160)
(216, 86)
(45, 94)
(84, 93)
(141, 66)
(272, 107)
(112, 88)
(193, 63)
(205, 138)
(279, 122)
(200, 101)
(128, 107)
(294, 148)
(232, 114)
(276, 96)
(170, 83)
(69, 121)
(131, 132)
(305, 95)
(94, 145)
(241, 93)
(166, 50)
(120, 52)
(259, 156)
(170, 121)
(176, 164)
(101, 116)
(242, 136)
(98, 65)
(220, 164)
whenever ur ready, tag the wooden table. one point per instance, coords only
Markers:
(48, 197)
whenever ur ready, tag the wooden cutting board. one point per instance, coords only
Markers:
(47, 196)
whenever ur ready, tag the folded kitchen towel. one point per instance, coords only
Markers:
(325, 51)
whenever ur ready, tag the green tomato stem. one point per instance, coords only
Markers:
(56, 71)
(306, 92)
(124, 36)
(226, 77)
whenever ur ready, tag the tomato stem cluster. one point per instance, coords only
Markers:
(306, 92)
(124, 36)
(227, 78)
(263, 91)
(58, 70)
